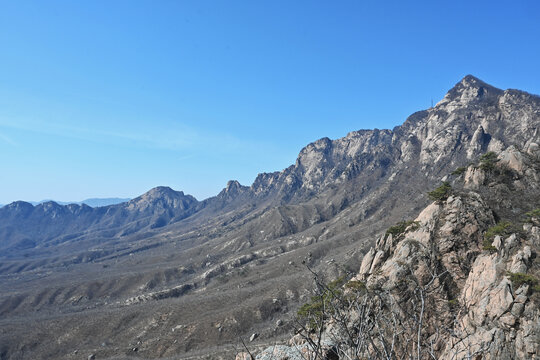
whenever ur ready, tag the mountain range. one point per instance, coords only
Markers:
(92, 202)
(167, 275)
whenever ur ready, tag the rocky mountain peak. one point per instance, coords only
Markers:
(163, 196)
(469, 90)
(473, 117)
(232, 185)
(50, 208)
(472, 81)
(160, 191)
(48, 205)
(18, 207)
(232, 190)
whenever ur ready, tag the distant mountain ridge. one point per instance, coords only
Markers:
(92, 202)
(27, 225)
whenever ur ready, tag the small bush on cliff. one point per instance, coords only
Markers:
(319, 308)
(533, 216)
(356, 286)
(488, 246)
(502, 228)
(401, 226)
(519, 279)
(488, 160)
(441, 193)
(453, 304)
(459, 171)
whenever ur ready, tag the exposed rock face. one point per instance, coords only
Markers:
(501, 318)
(477, 310)
(498, 319)
(159, 295)
(285, 352)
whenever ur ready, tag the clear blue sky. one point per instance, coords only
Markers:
(112, 98)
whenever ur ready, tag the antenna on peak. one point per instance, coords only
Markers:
(432, 103)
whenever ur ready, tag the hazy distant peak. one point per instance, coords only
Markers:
(19, 206)
(98, 202)
(92, 202)
(49, 204)
(161, 192)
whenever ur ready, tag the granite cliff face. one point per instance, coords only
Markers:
(475, 276)
(230, 265)
(497, 315)
(473, 118)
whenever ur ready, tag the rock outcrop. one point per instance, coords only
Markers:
(476, 278)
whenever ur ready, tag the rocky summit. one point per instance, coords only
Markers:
(441, 211)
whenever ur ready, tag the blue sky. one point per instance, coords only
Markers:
(112, 98)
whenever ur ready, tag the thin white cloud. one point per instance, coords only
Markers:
(8, 140)
(185, 157)
(176, 138)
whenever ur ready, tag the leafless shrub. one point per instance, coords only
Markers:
(412, 320)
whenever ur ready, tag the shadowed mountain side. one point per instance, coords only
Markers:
(26, 227)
